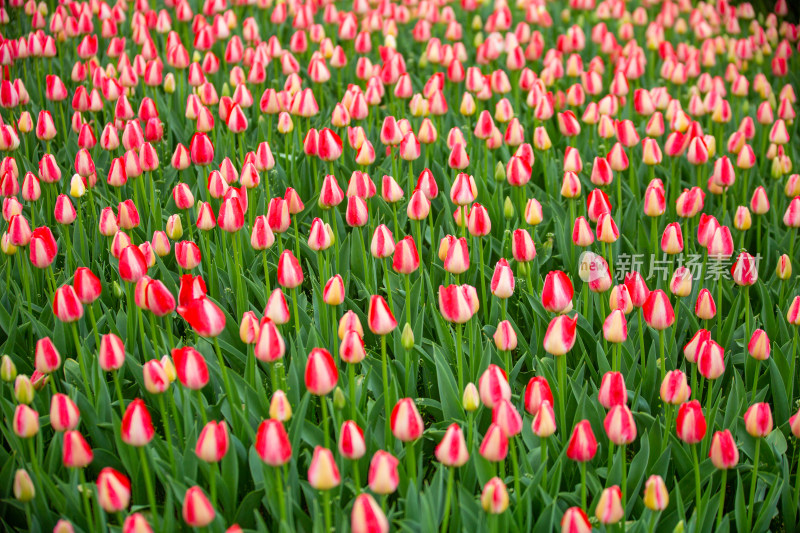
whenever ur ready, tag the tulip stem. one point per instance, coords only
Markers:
(281, 498)
(388, 283)
(174, 410)
(266, 272)
(667, 423)
(561, 368)
(199, 397)
(797, 483)
(571, 223)
(543, 444)
(212, 483)
(448, 498)
(167, 433)
(460, 358)
(642, 353)
(232, 400)
(323, 403)
(515, 465)
(387, 402)
(433, 238)
(661, 354)
(90, 306)
(723, 486)
(118, 388)
(755, 380)
(352, 389)
(148, 480)
(326, 503)
(583, 485)
(81, 362)
(296, 314)
(408, 298)
(719, 306)
(697, 494)
(23, 268)
(652, 523)
(87, 508)
(753, 483)
(411, 458)
(624, 485)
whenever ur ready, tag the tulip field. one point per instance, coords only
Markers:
(399, 265)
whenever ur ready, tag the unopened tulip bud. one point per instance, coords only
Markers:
(471, 398)
(794, 424)
(656, 495)
(452, 450)
(723, 452)
(505, 338)
(8, 370)
(575, 521)
(494, 498)
(758, 420)
(759, 346)
(197, 509)
(23, 389)
(367, 516)
(407, 337)
(174, 227)
(620, 426)
(113, 490)
(784, 268)
(323, 474)
(508, 208)
(383, 477)
(339, 400)
(674, 389)
(582, 444)
(24, 490)
(691, 424)
(609, 507)
(212, 443)
(25, 422)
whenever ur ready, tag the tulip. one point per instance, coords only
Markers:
(191, 368)
(691, 428)
(494, 498)
(367, 516)
(351, 443)
(323, 475)
(76, 452)
(197, 510)
(321, 376)
(758, 423)
(557, 292)
(64, 414)
(656, 495)
(113, 490)
(43, 247)
(610, 508)
(724, 455)
(136, 523)
(25, 422)
(453, 453)
(612, 390)
(383, 477)
(137, 430)
(582, 448)
(407, 426)
(575, 521)
(46, 358)
(502, 285)
(536, 392)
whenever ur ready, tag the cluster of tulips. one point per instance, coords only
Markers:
(162, 372)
